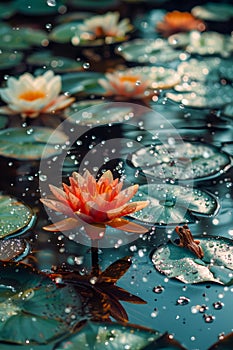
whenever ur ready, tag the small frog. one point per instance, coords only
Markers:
(187, 241)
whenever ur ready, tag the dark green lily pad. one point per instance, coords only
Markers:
(173, 204)
(7, 10)
(182, 161)
(182, 264)
(98, 336)
(13, 249)
(82, 82)
(64, 32)
(10, 59)
(3, 121)
(33, 310)
(58, 64)
(100, 113)
(93, 4)
(15, 216)
(29, 143)
(22, 38)
(38, 7)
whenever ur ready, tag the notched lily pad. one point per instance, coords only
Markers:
(173, 204)
(182, 161)
(180, 263)
(13, 249)
(29, 143)
(15, 216)
(98, 336)
(33, 310)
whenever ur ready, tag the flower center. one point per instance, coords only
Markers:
(32, 95)
(129, 79)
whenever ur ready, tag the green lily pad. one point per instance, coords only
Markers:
(13, 249)
(93, 4)
(10, 59)
(182, 161)
(100, 113)
(173, 204)
(15, 216)
(148, 51)
(33, 310)
(58, 64)
(37, 8)
(64, 32)
(29, 143)
(214, 11)
(182, 264)
(7, 10)
(82, 82)
(98, 336)
(22, 38)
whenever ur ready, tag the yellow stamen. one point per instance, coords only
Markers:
(32, 95)
(128, 78)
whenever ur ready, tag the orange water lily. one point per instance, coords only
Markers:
(176, 21)
(94, 204)
(30, 96)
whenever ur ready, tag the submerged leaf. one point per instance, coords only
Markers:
(32, 308)
(182, 264)
(29, 143)
(98, 336)
(15, 216)
(170, 204)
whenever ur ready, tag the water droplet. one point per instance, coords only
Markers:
(138, 82)
(51, 2)
(218, 305)
(208, 318)
(182, 301)
(203, 308)
(86, 65)
(43, 177)
(158, 289)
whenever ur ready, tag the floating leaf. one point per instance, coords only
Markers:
(64, 32)
(93, 4)
(100, 114)
(85, 82)
(173, 204)
(33, 310)
(148, 51)
(7, 10)
(37, 8)
(213, 11)
(29, 143)
(13, 249)
(180, 263)
(182, 161)
(58, 64)
(98, 336)
(10, 59)
(15, 216)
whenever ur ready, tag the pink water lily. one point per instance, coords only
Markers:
(127, 84)
(94, 205)
(30, 96)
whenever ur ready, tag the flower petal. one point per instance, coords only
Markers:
(63, 225)
(126, 225)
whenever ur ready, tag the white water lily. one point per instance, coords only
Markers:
(106, 25)
(31, 96)
(127, 84)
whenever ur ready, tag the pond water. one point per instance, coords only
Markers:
(196, 315)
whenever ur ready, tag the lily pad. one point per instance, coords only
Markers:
(180, 263)
(93, 4)
(213, 11)
(100, 113)
(82, 82)
(182, 161)
(98, 336)
(173, 204)
(148, 51)
(13, 249)
(22, 38)
(38, 8)
(58, 64)
(33, 310)
(29, 143)
(7, 10)
(197, 95)
(10, 59)
(63, 33)
(15, 216)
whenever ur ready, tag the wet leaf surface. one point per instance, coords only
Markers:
(178, 262)
(33, 309)
(13, 249)
(15, 216)
(29, 143)
(170, 204)
(9, 59)
(182, 160)
(39, 8)
(82, 82)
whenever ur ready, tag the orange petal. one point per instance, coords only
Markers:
(126, 225)
(125, 195)
(58, 193)
(57, 206)
(63, 225)
(126, 209)
(106, 175)
(95, 231)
